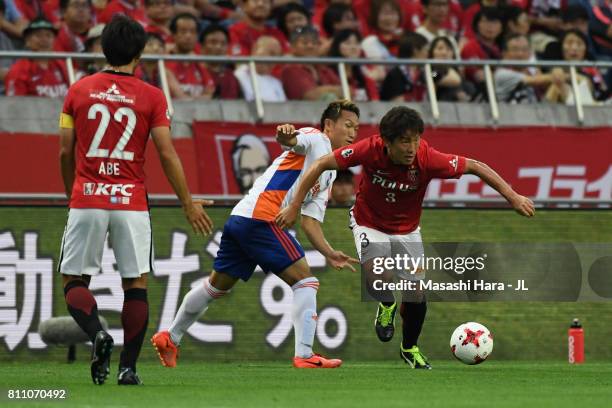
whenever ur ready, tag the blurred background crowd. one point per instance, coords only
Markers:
(524, 30)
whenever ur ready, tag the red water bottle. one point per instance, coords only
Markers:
(575, 342)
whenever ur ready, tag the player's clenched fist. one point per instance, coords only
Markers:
(523, 205)
(287, 216)
(197, 217)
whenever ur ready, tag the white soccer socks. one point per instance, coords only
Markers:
(194, 304)
(304, 313)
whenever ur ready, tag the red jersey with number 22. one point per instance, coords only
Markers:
(112, 115)
(390, 196)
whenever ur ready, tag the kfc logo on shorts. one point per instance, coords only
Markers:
(88, 188)
(346, 153)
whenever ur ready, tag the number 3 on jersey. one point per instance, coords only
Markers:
(118, 152)
(390, 198)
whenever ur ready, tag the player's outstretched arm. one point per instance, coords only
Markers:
(286, 218)
(522, 205)
(67, 163)
(194, 211)
(314, 233)
(286, 135)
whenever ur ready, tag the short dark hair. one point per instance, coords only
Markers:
(213, 28)
(409, 42)
(490, 13)
(284, 11)
(2, 6)
(340, 37)
(123, 40)
(435, 42)
(400, 120)
(333, 14)
(180, 16)
(334, 110)
(511, 37)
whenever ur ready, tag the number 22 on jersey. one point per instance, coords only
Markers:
(118, 152)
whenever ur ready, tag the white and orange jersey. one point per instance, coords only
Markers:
(274, 189)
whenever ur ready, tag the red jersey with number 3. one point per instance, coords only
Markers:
(112, 115)
(390, 196)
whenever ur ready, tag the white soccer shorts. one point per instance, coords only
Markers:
(129, 234)
(371, 243)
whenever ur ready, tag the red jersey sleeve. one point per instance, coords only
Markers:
(297, 81)
(443, 165)
(160, 115)
(353, 154)
(16, 80)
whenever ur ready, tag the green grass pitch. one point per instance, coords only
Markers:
(356, 384)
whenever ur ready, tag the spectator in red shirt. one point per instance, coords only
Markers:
(472, 10)
(76, 21)
(244, 33)
(291, 17)
(131, 8)
(215, 41)
(386, 24)
(306, 81)
(347, 44)
(38, 77)
(194, 78)
(436, 14)
(159, 14)
(601, 28)
(148, 71)
(488, 26)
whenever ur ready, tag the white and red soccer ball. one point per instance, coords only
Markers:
(471, 343)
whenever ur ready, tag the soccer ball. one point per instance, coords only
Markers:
(471, 343)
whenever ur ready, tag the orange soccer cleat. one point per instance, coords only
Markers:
(316, 361)
(166, 349)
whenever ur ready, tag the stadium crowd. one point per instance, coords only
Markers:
(529, 30)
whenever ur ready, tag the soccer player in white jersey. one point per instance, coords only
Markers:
(250, 236)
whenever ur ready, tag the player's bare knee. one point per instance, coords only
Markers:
(66, 279)
(221, 281)
(296, 272)
(135, 283)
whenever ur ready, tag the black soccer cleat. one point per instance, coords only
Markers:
(100, 359)
(414, 358)
(384, 322)
(127, 376)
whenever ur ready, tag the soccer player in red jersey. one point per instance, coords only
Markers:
(104, 127)
(398, 165)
